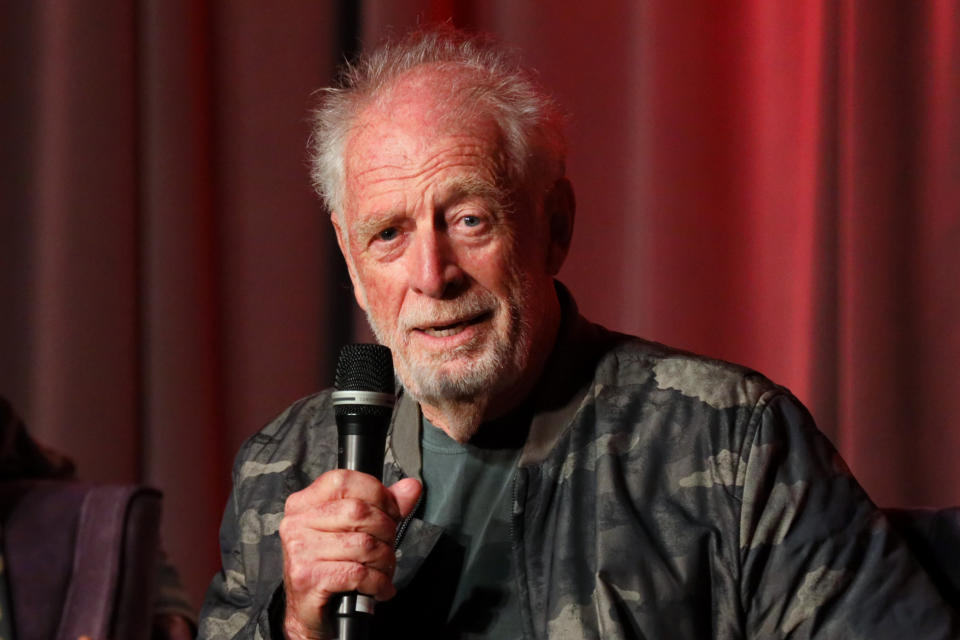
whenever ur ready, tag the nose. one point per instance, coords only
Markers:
(432, 266)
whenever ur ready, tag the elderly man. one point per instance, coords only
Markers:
(544, 477)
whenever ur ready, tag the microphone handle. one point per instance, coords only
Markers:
(353, 627)
(360, 451)
(359, 448)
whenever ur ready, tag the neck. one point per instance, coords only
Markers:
(459, 419)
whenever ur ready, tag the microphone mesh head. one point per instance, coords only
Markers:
(364, 367)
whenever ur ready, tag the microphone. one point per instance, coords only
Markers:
(363, 403)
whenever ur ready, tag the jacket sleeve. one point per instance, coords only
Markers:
(818, 559)
(245, 598)
(239, 602)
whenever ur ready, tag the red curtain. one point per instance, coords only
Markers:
(777, 183)
(771, 183)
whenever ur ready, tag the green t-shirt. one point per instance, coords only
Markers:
(469, 492)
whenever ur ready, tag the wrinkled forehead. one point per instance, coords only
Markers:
(418, 117)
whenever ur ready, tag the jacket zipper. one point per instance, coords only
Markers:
(525, 613)
(402, 529)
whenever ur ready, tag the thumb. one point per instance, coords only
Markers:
(406, 492)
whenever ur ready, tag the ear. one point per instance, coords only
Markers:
(345, 250)
(559, 207)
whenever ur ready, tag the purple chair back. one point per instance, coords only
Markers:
(80, 558)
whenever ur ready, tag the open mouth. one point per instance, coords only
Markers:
(452, 329)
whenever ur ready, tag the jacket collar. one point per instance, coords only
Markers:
(403, 441)
(566, 381)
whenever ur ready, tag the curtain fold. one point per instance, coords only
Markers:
(82, 326)
(184, 418)
(771, 183)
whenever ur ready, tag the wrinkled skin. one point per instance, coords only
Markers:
(338, 536)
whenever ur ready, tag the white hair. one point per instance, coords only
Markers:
(530, 121)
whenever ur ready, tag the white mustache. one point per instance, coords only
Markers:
(442, 313)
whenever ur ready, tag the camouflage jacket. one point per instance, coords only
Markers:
(659, 495)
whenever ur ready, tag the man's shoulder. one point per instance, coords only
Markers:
(604, 386)
(626, 362)
(301, 440)
(613, 360)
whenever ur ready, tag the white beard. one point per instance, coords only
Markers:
(478, 369)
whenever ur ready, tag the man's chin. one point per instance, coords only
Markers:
(458, 379)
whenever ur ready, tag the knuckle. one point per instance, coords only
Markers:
(292, 503)
(356, 509)
(286, 528)
(300, 577)
(292, 548)
(364, 541)
(335, 481)
(355, 571)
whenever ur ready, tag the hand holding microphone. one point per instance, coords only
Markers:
(338, 533)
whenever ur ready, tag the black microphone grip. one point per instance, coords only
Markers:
(357, 450)
(360, 446)
(363, 404)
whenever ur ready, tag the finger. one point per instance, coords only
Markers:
(342, 516)
(309, 589)
(340, 577)
(406, 492)
(350, 547)
(343, 483)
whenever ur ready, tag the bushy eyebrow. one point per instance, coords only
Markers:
(454, 190)
(462, 187)
(378, 223)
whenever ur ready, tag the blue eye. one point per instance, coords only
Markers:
(387, 234)
(471, 221)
